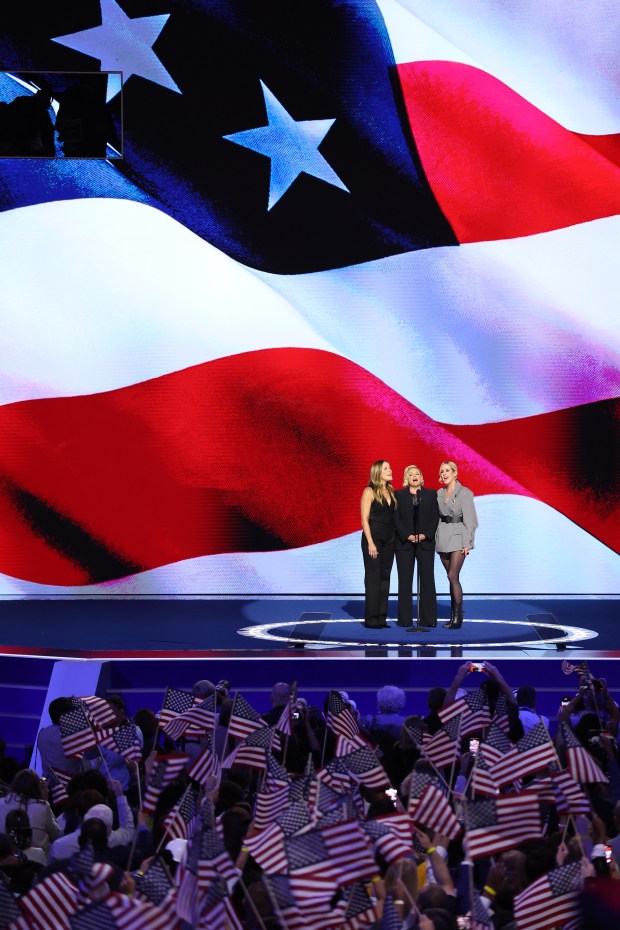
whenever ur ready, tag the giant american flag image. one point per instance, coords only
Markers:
(339, 231)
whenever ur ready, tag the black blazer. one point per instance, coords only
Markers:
(427, 521)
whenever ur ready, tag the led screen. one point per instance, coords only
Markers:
(59, 115)
(324, 233)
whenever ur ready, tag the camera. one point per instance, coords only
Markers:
(476, 667)
(473, 745)
(223, 686)
(22, 837)
(295, 715)
(565, 700)
(608, 853)
(593, 684)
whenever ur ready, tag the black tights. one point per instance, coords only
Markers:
(453, 563)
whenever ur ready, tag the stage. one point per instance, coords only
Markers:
(120, 628)
(139, 646)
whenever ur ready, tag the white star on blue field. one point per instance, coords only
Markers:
(123, 44)
(292, 145)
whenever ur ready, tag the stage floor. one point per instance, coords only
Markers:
(84, 627)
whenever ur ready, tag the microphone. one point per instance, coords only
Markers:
(416, 498)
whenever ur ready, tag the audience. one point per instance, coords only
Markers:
(203, 689)
(49, 744)
(271, 813)
(91, 804)
(18, 871)
(388, 720)
(146, 721)
(30, 792)
(114, 764)
(526, 702)
(19, 829)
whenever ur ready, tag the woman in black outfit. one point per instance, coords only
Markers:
(416, 522)
(378, 506)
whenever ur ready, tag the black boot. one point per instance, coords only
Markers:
(450, 625)
(456, 620)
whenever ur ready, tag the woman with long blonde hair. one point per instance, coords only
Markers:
(455, 534)
(378, 506)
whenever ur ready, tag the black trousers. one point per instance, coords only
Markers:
(377, 582)
(427, 607)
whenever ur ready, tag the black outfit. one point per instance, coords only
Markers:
(377, 571)
(26, 128)
(413, 519)
(21, 875)
(293, 761)
(400, 762)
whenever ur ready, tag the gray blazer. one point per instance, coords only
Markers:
(451, 537)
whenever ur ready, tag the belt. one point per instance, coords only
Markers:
(450, 519)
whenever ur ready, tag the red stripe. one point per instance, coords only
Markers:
(99, 487)
(441, 750)
(267, 847)
(518, 765)
(583, 767)
(488, 841)
(205, 766)
(499, 167)
(50, 902)
(391, 847)
(473, 722)
(434, 810)
(566, 452)
(203, 720)
(268, 806)
(483, 784)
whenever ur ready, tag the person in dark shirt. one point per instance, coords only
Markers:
(26, 127)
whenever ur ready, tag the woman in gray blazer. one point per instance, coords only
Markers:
(455, 534)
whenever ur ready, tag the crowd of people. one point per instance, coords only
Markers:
(412, 524)
(476, 812)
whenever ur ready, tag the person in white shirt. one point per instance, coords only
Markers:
(49, 744)
(528, 715)
(29, 792)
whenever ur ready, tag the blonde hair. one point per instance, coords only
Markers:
(405, 873)
(451, 465)
(375, 482)
(408, 468)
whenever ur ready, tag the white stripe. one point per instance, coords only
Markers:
(560, 56)
(534, 565)
(483, 332)
(123, 294)
(413, 40)
(471, 334)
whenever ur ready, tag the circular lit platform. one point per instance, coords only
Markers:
(483, 634)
